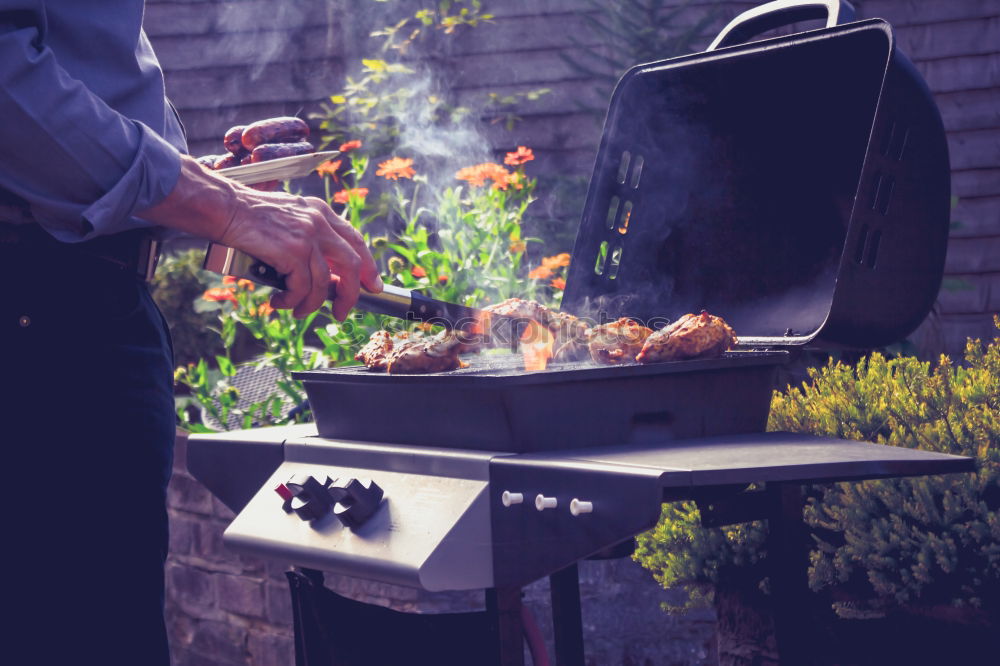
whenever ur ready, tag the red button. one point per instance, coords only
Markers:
(283, 490)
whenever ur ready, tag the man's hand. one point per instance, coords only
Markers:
(301, 237)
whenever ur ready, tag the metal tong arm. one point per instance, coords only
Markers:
(392, 301)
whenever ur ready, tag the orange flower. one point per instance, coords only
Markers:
(540, 273)
(518, 246)
(245, 284)
(443, 279)
(344, 196)
(516, 180)
(219, 294)
(396, 168)
(558, 283)
(263, 310)
(418, 272)
(228, 279)
(350, 145)
(478, 175)
(519, 157)
(329, 168)
(558, 261)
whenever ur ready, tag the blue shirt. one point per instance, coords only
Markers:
(87, 137)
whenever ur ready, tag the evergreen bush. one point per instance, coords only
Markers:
(925, 541)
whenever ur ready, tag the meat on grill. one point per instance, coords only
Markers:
(569, 332)
(617, 342)
(406, 353)
(691, 336)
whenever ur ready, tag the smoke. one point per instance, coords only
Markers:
(259, 34)
(444, 145)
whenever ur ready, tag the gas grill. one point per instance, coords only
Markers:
(797, 187)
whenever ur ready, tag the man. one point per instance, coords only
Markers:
(91, 163)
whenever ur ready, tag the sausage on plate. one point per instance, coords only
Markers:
(284, 129)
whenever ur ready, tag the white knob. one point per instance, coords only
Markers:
(576, 507)
(509, 499)
(542, 502)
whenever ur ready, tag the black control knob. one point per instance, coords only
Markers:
(355, 500)
(310, 499)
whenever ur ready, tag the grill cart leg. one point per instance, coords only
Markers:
(567, 623)
(788, 563)
(787, 556)
(503, 608)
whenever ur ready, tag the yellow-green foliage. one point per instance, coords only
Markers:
(923, 539)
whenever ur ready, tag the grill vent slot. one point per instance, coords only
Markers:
(602, 258)
(612, 212)
(623, 167)
(899, 144)
(626, 216)
(873, 248)
(884, 195)
(859, 250)
(886, 143)
(616, 261)
(637, 172)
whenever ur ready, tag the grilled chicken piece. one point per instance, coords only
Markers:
(374, 352)
(691, 336)
(569, 332)
(381, 343)
(617, 342)
(438, 353)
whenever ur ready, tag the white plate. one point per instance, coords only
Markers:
(283, 168)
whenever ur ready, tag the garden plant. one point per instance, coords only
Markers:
(928, 545)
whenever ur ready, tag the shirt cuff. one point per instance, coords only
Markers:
(147, 181)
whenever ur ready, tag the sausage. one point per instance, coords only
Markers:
(233, 141)
(226, 161)
(284, 129)
(272, 151)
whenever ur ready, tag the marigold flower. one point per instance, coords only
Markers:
(558, 283)
(263, 310)
(418, 272)
(344, 196)
(396, 168)
(218, 294)
(350, 145)
(519, 157)
(329, 168)
(518, 246)
(540, 273)
(478, 175)
(557, 261)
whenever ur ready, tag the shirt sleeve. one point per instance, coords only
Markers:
(82, 167)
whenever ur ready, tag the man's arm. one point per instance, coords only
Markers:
(82, 167)
(86, 170)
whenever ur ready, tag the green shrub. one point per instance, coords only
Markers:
(923, 540)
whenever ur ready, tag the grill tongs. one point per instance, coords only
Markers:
(393, 301)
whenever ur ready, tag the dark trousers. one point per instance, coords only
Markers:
(86, 442)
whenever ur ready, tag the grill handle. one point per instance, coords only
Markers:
(780, 13)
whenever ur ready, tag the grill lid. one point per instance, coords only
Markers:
(797, 187)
